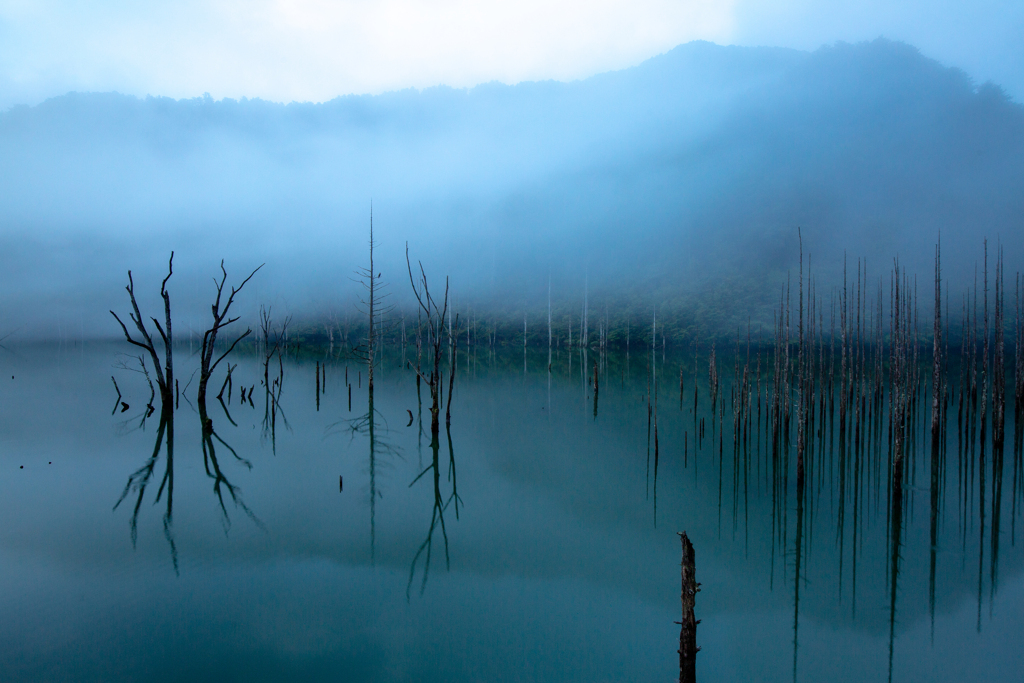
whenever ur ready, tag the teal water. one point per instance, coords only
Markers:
(558, 557)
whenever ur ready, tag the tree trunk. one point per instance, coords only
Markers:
(688, 626)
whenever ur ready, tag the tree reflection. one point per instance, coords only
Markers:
(214, 471)
(141, 478)
(371, 425)
(437, 513)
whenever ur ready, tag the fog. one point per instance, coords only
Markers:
(678, 182)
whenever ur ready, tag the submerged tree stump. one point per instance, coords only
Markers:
(688, 626)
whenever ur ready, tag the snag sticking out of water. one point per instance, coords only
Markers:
(438, 324)
(220, 320)
(688, 626)
(165, 374)
(272, 387)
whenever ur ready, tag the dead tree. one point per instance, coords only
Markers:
(688, 626)
(376, 308)
(453, 347)
(272, 389)
(220, 320)
(266, 331)
(436, 325)
(937, 351)
(165, 374)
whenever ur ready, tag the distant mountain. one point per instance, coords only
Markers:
(682, 181)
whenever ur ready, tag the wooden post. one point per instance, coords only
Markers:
(688, 626)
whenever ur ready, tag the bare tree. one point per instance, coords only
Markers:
(220, 320)
(165, 374)
(272, 389)
(376, 309)
(435, 316)
(453, 347)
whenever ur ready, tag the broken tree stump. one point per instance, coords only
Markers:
(688, 626)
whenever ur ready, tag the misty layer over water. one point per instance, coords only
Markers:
(534, 540)
(679, 181)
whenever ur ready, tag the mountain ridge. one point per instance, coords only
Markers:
(668, 180)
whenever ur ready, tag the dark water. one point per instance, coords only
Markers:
(557, 558)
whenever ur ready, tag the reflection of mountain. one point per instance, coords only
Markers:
(660, 169)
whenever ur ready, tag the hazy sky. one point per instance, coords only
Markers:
(317, 49)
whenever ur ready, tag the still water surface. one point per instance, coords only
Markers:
(536, 542)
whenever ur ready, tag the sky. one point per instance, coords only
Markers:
(315, 50)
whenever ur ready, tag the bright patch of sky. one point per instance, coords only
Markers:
(314, 50)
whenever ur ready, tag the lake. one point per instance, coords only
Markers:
(307, 538)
